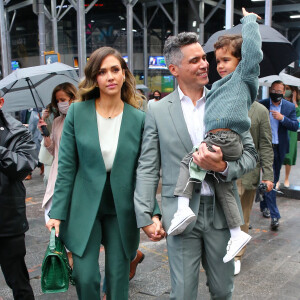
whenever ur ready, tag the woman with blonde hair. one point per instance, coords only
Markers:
(93, 197)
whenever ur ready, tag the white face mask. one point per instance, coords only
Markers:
(63, 107)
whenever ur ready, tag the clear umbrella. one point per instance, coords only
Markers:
(285, 78)
(32, 87)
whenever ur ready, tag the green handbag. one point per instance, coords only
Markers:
(56, 271)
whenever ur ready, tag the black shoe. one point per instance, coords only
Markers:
(274, 224)
(266, 213)
(250, 226)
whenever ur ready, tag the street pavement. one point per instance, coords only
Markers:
(270, 267)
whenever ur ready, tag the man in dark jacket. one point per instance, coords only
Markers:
(282, 118)
(17, 159)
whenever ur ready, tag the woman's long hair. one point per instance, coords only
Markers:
(88, 88)
(66, 87)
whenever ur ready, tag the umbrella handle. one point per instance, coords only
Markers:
(45, 130)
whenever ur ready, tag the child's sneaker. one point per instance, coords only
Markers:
(182, 218)
(235, 245)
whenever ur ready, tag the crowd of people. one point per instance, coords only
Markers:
(109, 145)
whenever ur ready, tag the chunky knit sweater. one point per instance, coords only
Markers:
(230, 98)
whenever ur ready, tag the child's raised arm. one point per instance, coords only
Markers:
(245, 13)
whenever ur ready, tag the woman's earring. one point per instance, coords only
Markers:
(124, 79)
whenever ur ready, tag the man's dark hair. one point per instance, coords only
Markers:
(277, 82)
(173, 44)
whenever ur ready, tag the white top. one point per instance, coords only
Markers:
(193, 116)
(108, 130)
(151, 101)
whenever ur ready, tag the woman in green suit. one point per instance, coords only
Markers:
(93, 197)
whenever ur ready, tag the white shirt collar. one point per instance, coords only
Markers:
(182, 95)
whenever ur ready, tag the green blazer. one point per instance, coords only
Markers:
(166, 141)
(82, 175)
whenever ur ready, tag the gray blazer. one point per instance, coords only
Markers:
(165, 142)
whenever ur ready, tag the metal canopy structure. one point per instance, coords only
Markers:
(144, 20)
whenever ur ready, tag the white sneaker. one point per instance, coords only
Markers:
(182, 218)
(237, 267)
(235, 245)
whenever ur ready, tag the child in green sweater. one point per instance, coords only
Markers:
(225, 118)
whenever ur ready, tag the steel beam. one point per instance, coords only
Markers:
(290, 25)
(42, 35)
(47, 13)
(165, 11)
(295, 38)
(194, 9)
(129, 14)
(8, 41)
(229, 14)
(268, 21)
(153, 15)
(215, 3)
(81, 37)
(19, 5)
(73, 3)
(90, 6)
(138, 20)
(145, 44)
(268, 12)
(212, 12)
(54, 25)
(65, 12)
(5, 70)
(201, 25)
(175, 17)
(278, 8)
(154, 2)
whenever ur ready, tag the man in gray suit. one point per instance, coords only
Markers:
(173, 126)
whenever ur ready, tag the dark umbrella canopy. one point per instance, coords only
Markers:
(278, 51)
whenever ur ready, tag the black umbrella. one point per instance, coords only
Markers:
(278, 51)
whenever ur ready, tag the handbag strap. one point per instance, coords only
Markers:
(52, 240)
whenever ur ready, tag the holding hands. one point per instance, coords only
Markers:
(155, 231)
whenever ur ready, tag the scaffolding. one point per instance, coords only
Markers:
(56, 14)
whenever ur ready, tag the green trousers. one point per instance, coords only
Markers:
(86, 268)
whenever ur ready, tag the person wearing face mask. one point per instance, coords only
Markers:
(282, 118)
(62, 96)
(156, 97)
(291, 93)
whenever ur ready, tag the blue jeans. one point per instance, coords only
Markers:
(270, 198)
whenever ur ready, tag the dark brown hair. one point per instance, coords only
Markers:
(233, 42)
(66, 87)
(277, 82)
(88, 88)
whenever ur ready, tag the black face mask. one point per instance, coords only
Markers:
(276, 97)
(157, 97)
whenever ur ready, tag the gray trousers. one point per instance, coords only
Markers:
(232, 149)
(204, 244)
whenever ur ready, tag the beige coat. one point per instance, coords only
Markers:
(55, 136)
